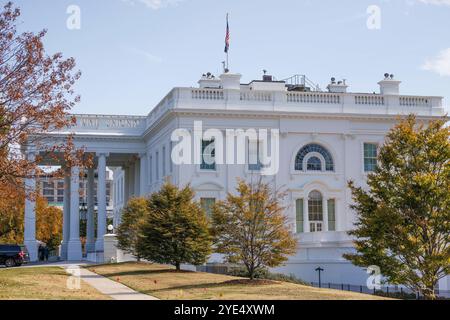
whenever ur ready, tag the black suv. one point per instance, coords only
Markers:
(12, 255)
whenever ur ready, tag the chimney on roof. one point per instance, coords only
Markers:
(266, 77)
(231, 81)
(389, 86)
(337, 87)
(208, 80)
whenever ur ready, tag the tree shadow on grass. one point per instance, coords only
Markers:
(144, 272)
(209, 285)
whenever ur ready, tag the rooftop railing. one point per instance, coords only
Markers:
(194, 96)
(216, 98)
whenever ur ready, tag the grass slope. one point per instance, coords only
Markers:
(42, 283)
(164, 282)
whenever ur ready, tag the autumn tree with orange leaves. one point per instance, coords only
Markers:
(36, 94)
(48, 219)
(251, 228)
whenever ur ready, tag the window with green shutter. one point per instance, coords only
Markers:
(299, 215)
(331, 215)
(208, 155)
(370, 157)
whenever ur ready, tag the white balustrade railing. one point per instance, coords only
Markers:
(185, 95)
(374, 99)
(313, 97)
(415, 101)
(207, 94)
(261, 96)
(219, 98)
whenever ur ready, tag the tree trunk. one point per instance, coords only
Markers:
(178, 266)
(428, 293)
(251, 272)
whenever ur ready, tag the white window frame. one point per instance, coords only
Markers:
(362, 142)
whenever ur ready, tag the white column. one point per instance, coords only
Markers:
(126, 187)
(305, 215)
(131, 191)
(66, 215)
(74, 246)
(137, 178)
(90, 229)
(30, 215)
(101, 201)
(143, 174)
(325, 214)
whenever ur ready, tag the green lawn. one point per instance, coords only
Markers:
(164, 282)
(42, 283)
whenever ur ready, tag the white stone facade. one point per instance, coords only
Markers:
(347, 127)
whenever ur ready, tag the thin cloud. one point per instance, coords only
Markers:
(439, 64)
(146, 55)
(154, 4)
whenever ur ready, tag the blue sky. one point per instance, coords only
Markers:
(132, 52)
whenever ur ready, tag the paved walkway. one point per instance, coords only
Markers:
(61, 264)
(115, 290)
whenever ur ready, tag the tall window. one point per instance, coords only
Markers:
(315, 211)
(208, 155)
(370, 157)
(299, 215)
(157, 166)
(48, 191)
(164, 161)
(150, 168)
(207, 204)
(108, 193)
(170, 157)
(60, 191)
(254, 157)
(331, 215)
(314, 163)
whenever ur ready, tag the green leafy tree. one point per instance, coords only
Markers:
(251, 228)
(175, 230)
(403, 223)
(133, 217)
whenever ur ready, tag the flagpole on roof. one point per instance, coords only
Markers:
(227, 44)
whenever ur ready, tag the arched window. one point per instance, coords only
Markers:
(315, 211)
(312, 163)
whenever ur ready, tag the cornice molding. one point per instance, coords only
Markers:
(285, 114)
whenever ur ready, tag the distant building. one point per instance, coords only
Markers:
(53, 191)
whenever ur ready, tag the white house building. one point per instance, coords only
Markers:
(326, 138)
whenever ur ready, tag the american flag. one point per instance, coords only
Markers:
(227, 38)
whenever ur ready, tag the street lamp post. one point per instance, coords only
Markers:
(83, 224)
(83, 211)
(319, 270)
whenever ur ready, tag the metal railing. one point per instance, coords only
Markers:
(398, 292)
